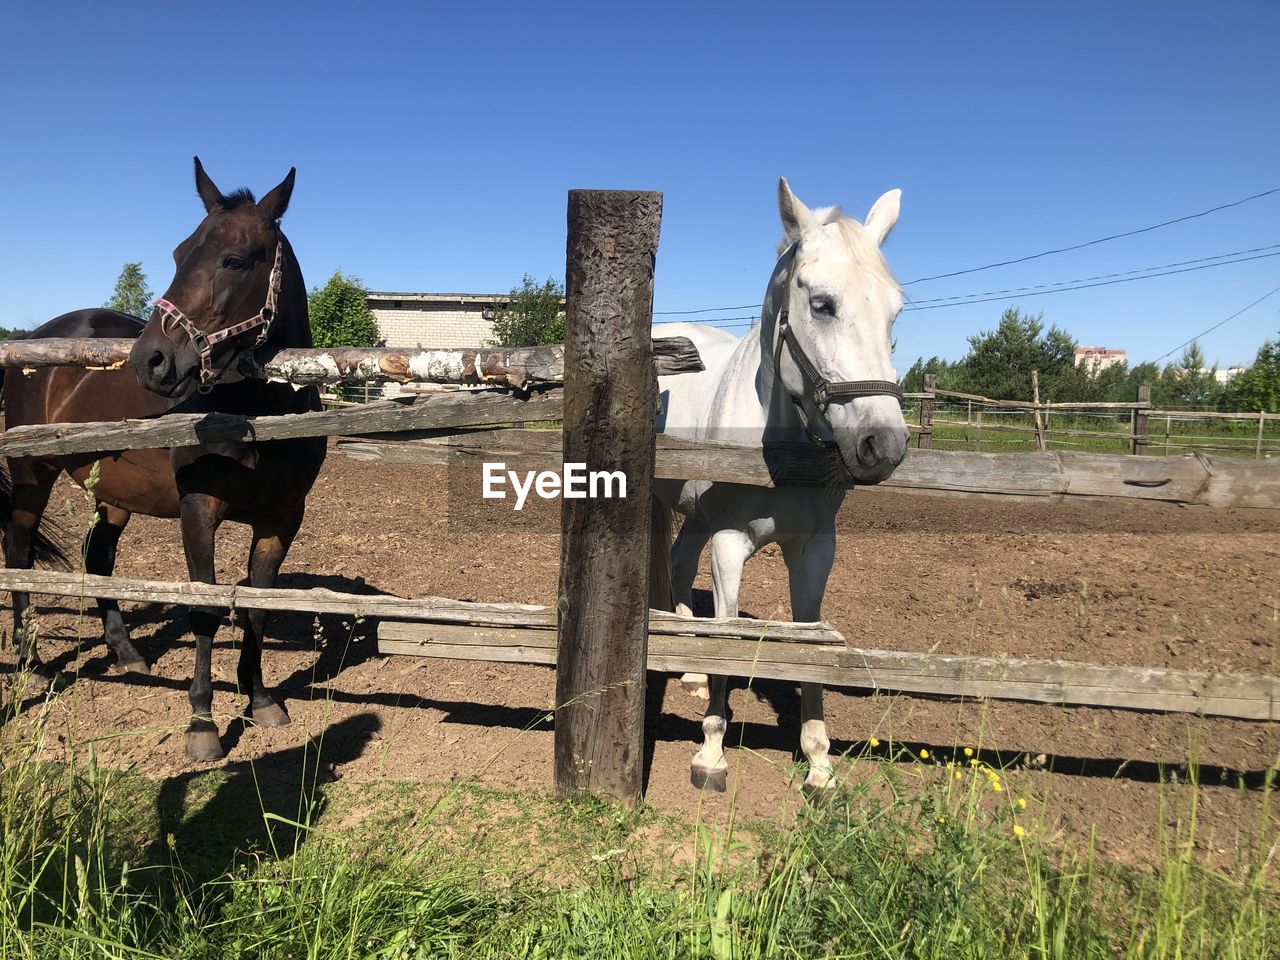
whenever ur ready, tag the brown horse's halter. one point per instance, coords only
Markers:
(824, 390)
(205, 342)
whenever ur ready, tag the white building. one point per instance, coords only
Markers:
(1097, 359)
(435, 319)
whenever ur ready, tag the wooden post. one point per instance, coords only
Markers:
(926, 411)
(1257, 447)
(1141, 421)
(977, 430)
(1035, 398)
(609, 408)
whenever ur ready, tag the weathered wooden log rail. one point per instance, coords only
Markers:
(384, 606)
(526, 633)
(518, 367)
(1063, 476)
(412, 413)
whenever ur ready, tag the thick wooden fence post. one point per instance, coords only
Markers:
(609, 399)
(1141, 420)
(926, 411)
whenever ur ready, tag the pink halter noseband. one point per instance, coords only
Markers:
(205, 342)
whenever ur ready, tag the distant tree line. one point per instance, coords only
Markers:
(1000, 361)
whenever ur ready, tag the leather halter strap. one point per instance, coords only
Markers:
(205, 342)
(822, 391)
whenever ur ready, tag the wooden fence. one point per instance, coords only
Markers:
(1031, 422)
(601, 636)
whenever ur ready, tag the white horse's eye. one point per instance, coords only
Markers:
(823, 305)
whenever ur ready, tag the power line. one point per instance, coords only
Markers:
(1038, 290)
(1091, 243)
(1087, 286)
(673, 313)
(1220, 323)
(1102, 276)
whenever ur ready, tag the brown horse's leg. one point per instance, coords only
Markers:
(270, 544)
(32, 484)
(201, 516)
(100, 558)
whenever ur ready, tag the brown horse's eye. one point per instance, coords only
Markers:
(232, 262)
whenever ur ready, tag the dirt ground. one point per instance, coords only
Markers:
(1113, 584)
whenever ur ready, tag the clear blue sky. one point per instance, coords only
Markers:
(435, 144)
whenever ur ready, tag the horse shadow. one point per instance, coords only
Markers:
(256, 808)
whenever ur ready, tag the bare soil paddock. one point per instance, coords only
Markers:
(1112, 584)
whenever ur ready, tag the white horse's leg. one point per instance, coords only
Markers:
(809, 564)
(729, 552)
(685, 553)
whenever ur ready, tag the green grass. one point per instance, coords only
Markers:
(907, 860)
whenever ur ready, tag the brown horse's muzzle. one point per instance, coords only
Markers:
(163, 366)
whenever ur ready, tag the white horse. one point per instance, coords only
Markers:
(817, 367)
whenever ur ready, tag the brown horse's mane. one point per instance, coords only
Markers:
(236, 198)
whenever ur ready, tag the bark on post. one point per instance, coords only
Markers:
(1141, 419)
(926, 411)
(604, 553)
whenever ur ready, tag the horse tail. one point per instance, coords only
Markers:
(47, 546)
(661, 522)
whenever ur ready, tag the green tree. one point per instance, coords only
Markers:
(1000, 361)
(131, 295)
(1258, 387)
(532, 315)
(340, 314)
(1188, 383)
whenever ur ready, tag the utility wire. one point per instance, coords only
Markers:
(1062, 286)
(1102, 283)
(1091, 243)
(1103, 276)
(1220, 323)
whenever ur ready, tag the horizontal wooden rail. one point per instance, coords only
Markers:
(1244, 696)
(434, 609)
(1062, 475)
(1032, 405)
(1245, 416)
(447, 410)
(519, 367)
(798, 652)
(1015, 428)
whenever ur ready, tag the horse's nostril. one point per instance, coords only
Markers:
(157, 361)
(869, 453)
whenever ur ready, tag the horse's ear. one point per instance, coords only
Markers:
(883, 215)
(209, 193)
(796, 217)
(275, 203)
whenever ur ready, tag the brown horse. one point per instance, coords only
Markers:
(237, 286)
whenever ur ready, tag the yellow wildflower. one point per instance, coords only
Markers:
(995, 785)
(1017, 830)
(1022, 803)
(968, 751)
(874, 742)
(959, 775)
(924, 754)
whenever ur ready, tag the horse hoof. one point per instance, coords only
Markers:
(269, 715)
(696, 685)
(203, 746)
(820, 787)
(134, 666)
(716, 781)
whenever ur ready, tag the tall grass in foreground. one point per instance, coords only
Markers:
(909, 861)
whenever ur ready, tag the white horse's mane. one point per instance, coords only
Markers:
(866, 252)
